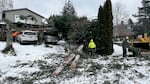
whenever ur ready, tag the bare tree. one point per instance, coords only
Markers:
(119, 15)
(5, 5)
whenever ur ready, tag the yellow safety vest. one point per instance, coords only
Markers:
(91, 44)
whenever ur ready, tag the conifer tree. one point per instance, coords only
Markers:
(68, 15)
(105, 29)
(69, 9)
(108, 25)
(99, 32)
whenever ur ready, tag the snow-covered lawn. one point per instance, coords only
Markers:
(34, 64)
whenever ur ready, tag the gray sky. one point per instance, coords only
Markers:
(83, 7)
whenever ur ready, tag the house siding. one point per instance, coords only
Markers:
(10, 15)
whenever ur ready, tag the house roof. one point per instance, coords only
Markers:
(23, 9)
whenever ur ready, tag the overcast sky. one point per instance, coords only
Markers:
(83, 7)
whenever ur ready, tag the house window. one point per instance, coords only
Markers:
(18, 19)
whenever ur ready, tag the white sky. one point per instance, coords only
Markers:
(83, 7)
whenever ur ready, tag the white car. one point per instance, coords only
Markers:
(27, 36)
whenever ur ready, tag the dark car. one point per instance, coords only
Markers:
(51, 37)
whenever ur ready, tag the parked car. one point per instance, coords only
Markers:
(27, 36)
(50, 37)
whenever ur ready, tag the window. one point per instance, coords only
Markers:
(18, 19)
(30, 33)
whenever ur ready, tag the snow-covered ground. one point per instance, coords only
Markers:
(34, 64)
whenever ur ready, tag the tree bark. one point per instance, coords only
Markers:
(74, 63)
(9, 47)
(67, 61)
(9, 37)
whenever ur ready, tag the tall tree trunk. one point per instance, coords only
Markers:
(9, 37)
(9, 47)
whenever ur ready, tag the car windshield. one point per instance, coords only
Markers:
(30, 33)
(52, 33)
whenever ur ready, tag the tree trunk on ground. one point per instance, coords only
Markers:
(74, 63)
(67, 61)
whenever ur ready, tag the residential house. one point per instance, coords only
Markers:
(23, 15)
(122, 30)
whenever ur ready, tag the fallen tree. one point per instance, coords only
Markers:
(74, 63)
(72, 57)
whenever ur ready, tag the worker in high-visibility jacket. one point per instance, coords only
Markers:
(92, 47)
(14, 35)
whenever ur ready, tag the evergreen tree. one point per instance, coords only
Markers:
(105, 29)
(63, 23)
(60, 24)
(108, 23)
(99, 32)
(68, 16)
(143, 25)
(69, 9)
(79, 29)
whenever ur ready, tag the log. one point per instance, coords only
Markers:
(74, 63)
(80, 48)
(67, 61)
